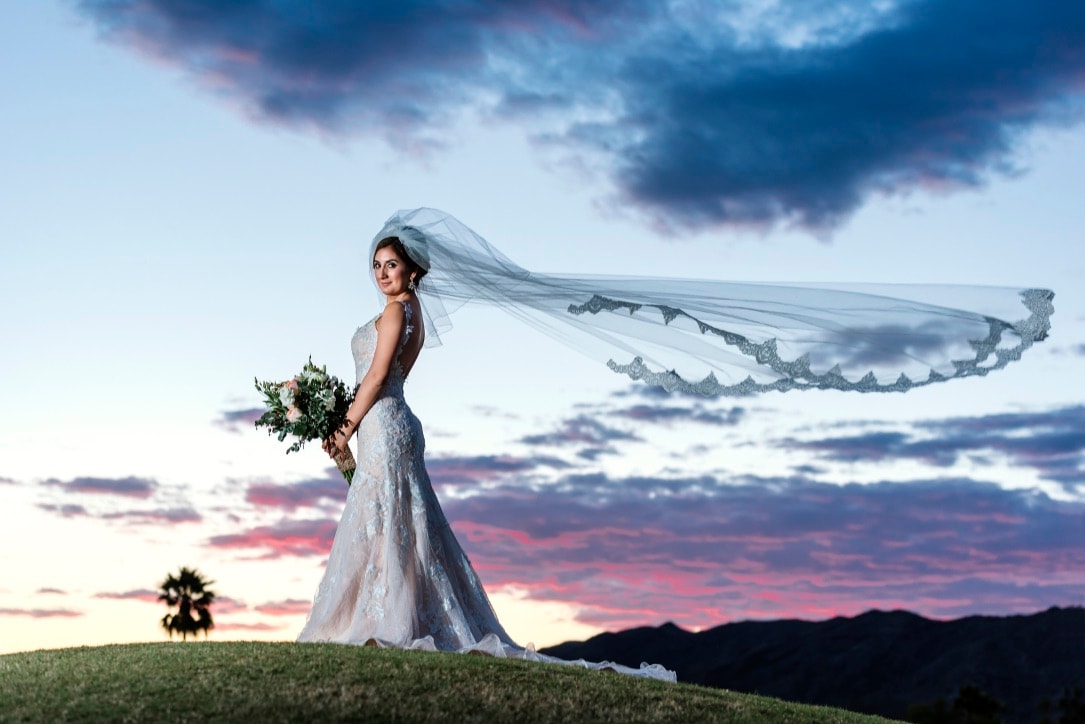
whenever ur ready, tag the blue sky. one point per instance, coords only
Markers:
(188, 192)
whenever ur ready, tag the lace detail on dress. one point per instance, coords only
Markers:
(797, 374)
(396, 574)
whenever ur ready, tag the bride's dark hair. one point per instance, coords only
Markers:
(401, 251)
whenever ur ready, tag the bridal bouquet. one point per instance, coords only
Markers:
(311, 406)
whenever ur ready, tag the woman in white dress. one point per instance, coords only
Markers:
(396, 575)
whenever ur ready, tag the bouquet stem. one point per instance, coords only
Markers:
(346, 464)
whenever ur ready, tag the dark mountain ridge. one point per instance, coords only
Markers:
(879, 662)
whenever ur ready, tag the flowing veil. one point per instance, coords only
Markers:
(718, 338)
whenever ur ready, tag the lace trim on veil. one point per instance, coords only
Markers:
(796, 373)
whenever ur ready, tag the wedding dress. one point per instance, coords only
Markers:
(396, 575)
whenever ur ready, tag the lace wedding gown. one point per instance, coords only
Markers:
(396, 575)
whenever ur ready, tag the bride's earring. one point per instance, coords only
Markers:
(410, 284)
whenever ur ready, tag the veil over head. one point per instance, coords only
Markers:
(718, 338)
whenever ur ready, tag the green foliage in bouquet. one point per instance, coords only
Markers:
(311, 406)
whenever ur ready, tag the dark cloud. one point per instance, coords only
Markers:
(131, 487)
(286, 538)
(702, 550)
(468, 470)
(938, 97)
(67, 511)
(7, 481)
(41, 612)
(670, 414)
(861, 348)
(239, 420)
(799, 117)
(592, 454)
(581, 430)
(1050, 442)
(655, 393)
(138, 594)
(56, 591)
(162, 515)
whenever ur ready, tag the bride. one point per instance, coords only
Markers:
(396, 575)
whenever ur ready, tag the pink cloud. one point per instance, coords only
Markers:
(139, 594)
(705, 553)
(286, 538)
(248, 626)
(291, 496)
(223, 605)
(41, 612)
(238, 420)
(289, 607)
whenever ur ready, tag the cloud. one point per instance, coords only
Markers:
(699, 113)
(670, 414)
(239, 420)
(470, 470)
(581, 430)
(288, 607)
(7, 481)
(703, 550)
(131, 487)
(138, 594)
(304, 494)
(227, 605)
(240, 626)
(287, 538)
(938, 97)
(221, 604)
(162, 515)
(41, 612)
(1077, 350)
(1050, 442)
(55, 591)
(67, 510)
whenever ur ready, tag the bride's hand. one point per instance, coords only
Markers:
(337, 441)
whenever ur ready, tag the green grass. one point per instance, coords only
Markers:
(279, 682)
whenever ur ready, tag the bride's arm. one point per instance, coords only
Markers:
(389, 331)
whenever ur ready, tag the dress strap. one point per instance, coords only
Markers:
(408, 328)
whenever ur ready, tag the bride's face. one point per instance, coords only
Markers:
(390, 272)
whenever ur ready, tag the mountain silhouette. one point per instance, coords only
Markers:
(879, 662)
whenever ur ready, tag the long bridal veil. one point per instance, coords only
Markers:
(732, 338)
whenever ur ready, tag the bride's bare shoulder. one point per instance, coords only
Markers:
(394, 312)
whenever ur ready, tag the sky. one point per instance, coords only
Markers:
(189, 189)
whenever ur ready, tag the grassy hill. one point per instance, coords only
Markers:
(273, 682)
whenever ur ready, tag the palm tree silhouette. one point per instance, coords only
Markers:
(188, 592)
